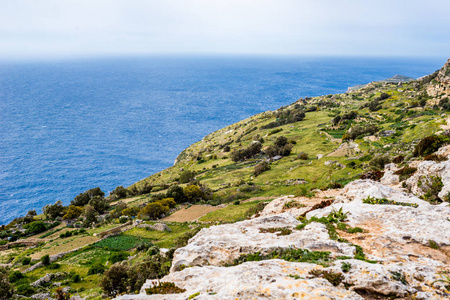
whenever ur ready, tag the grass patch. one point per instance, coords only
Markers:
(163, 239)
(120, 242)
(384, 201)
(231, 213)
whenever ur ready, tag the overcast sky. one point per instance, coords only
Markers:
(67, 28)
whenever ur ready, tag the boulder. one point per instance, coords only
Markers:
(220, 245)
(48, 278)
(427, 169)
(161, 227)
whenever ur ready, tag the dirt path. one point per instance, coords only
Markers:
(190, 214)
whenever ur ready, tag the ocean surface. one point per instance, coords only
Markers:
(69, 126)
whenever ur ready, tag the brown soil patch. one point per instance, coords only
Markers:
(190, 214)
(257, 198)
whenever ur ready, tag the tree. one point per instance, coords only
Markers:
(73, 212)
(45, 260)
(84, 198)
(55, 210)
(186, 176)
(153, 211)
(99, 204)
(90, 215)
(175, 192)
(114, 280)
(261, 167)
(131, 211)
(6, 289)
(192, 193)
(169, 202)
(119, 192)
(118, 208)
(281, 141)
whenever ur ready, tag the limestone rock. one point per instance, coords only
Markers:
(41, 296)
(270, 279)
(399, 224)
(161, 227)
(427, 169)
(219, 245)
(48, 278)
(358, 190)
(444, 151)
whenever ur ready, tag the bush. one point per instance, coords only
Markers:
(35, 227)
(119, 192)
(302, 156)
(246, 153)
(26, 261)
(378, 162)
(429, 144)
(130, 211)
(175, 192)
(73, 212)
(373, 175)
(114, 280)
(23, 289)
(398, 159)
(192, 193)
(153, 211)
(164, 288)
(96, 268)
(169, 202)
(75, 278)
(45, 260)
(54, 266)
(15, 276)
(84, 198)
(261, 167)
(405, 173)
(118, 256)
(55, 210)
(358, 131)
(186, 176)
(431, 187)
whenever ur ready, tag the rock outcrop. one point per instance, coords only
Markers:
(419, 182)
(440, 85)
(400, 250)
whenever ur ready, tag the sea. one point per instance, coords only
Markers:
(70, 125)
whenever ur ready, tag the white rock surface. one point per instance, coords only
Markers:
(398, 223)
(219, 245)
(252, 280)
(426, 169)
(358, 190)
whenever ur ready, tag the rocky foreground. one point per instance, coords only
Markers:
(372, 251)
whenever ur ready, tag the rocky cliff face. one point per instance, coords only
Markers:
(440, 86)
(374, 251)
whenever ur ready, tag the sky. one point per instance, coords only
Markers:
(48, 29)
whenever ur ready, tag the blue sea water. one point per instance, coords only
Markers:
(69, 126)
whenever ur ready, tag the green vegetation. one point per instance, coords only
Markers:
(120, 242)
(232, 213)
(290, 254)
(165, 288)
(372, 200)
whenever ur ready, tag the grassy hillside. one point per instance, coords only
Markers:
(313, 143)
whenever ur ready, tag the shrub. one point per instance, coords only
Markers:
(175, 192)
(130, 211)
(429, 144)
(186, 176)
(169, 202)
(75, 278)
(405, 173)
(119, 192)
(114, 280)
(96, 268)
(153, 211)
(378, 162)
(15, 276)
(83, 198)
(359, 131)
(192, 193)
(246, 153)
(302, 156)
(23, 289)
(99, 204)
(280, 141)
(431, 186)
(334, 278)
(398, 159)
(35, 227)
(261, 167)
(255, 209)
(26, 261)
(45, 260)
(73, 212)
(118, 256)
(373, 175)
(164, 288)
(54, 266)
